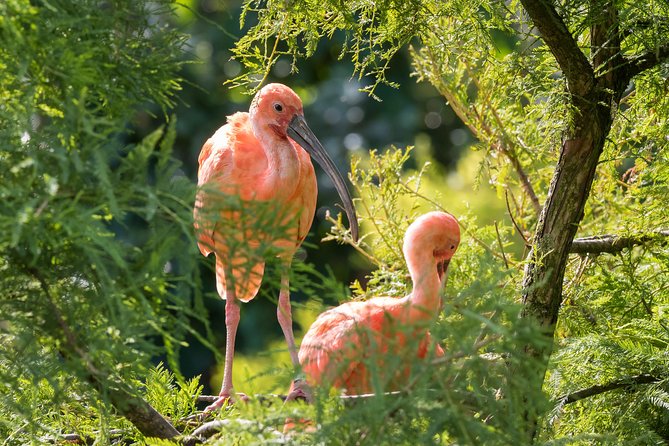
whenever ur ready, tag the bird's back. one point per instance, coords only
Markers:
(233, 158)
(348, 344)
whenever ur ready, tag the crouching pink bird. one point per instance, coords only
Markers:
(260, 157)
(350, 345)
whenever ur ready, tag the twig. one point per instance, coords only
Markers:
(501, 246)
(213, 427)
(513, 220)
(76, 438)
(349, 240)
(505, 145)
(602, 388)
(612, 244)
(647, 61)
(209, 399)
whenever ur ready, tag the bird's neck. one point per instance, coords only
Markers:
(283, 166)
(425, 299)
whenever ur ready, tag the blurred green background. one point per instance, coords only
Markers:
(348, 123)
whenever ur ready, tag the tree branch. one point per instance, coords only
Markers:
(612, 244)
(267, 399)
(134, 408)
(575, 66)
(647, 61)
(602, 388)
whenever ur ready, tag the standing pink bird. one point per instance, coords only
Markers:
(255, 160)
(345, 341)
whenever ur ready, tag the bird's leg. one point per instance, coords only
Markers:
(299, 389)
(285, 316)
(226, 395)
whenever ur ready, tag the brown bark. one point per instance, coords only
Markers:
(593, 107)
(595, 90)
(612, 244)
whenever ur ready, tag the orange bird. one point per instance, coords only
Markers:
(259, 158)
(345, 342)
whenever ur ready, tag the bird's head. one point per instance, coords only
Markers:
(432, 240)
(275, 106)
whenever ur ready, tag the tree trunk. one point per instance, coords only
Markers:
(594, 99)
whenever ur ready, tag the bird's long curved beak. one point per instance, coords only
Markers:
(299, 131)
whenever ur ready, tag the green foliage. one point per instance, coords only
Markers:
(97, 256)
(172, 398)
(72, 409)
(91, 225)
(472, 395)
(487, 61)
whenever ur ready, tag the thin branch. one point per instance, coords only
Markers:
(505, 145)
(613, 244)
(501, 245)
(602, 388)
(513, 220)
(525, 182)
(575, 66)
(265, 398)
(647, 61)
(211, 428)
(79, 439)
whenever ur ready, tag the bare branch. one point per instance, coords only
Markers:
(501, 246)
(575, 66)
(610, 243)
(265, 399)
(647, 61)
(513, 220)
(504, 144)
(602, 388)
(79, 439)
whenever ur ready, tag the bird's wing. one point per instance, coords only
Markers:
(215, 163)
(328, 352)
(228, 163)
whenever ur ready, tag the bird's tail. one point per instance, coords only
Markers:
(246, 277)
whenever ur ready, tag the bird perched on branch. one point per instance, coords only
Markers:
(256, 198)
(350, 346)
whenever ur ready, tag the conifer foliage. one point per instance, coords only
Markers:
(555, 315)
(568, 100)
(85, 301)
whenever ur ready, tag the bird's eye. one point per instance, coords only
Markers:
(452, 246)
(278, 107)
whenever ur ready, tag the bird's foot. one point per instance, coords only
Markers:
(299, 389)
(225, 398)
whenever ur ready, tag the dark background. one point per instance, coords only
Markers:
(346, 120)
